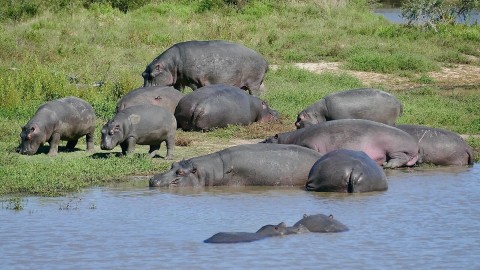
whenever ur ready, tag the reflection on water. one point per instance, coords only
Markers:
(428, 218)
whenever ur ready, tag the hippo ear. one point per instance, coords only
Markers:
(276, 136)
(331, 216)
(117, 127)
(264, 105)
(158, 98)
(158, 67)
(194, 170)
(301, 116)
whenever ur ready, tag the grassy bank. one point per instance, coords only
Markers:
(64, 51)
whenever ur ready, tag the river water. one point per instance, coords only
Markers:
(427, 219)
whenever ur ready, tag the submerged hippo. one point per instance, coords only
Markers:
(140, 124)
(164, 96)
(388, 146)
(363, 103)
(219, 105)
(321, 223)
(242, 165)
(199, 63)
(345, 170)
(440, 146)
(242, 237)
(66, 119)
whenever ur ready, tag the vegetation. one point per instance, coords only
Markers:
(96, 50)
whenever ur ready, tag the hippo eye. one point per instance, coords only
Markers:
(180, 172)
(194, 170)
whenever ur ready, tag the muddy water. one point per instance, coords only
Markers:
(428, 218)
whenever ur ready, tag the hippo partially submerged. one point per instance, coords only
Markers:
(199, 63)
(440, 146)
(219, 105)
(345, 170)
(164, 96)
(363, 103)
(242, 165)
(66, 119)
(388, 146)
(140, 124)
(321, 223)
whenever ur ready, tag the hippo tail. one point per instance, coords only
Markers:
(401, 110)
(471, 158)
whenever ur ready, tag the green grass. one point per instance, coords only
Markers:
(51, 49)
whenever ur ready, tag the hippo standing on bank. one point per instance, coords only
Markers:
(242, 165)
(140, 124)
(216, 106)
(164, 96)
(363, 103)
(199, 63)
(388, 146)
(66, 119)
(440, 146)
(348, 171)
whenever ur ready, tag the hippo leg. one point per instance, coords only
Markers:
(170, 145)
(71, 145)
(396, 160)
(90, 138)
(153, 150)
(128, 146)
(54, 141)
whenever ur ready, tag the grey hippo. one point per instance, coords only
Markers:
(67, 119)
(321, 224)
(143, 125)
(242, 165)
(363, 103)
(439, 146)
(348, 171)
(216, 106)
(164, 96)
(388, 146)
(199, 63)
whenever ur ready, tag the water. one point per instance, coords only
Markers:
(428, 218)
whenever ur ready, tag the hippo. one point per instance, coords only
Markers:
(67, 119)
(388, 146)
(216, 106)
(242, 237)
(164, 96)
(199, 63)
(321, 223)
(348, 171)
(242, 165)
(440, 146)
(140, 124)
(362, 103)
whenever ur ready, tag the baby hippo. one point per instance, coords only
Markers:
(66, 119)
(140, 124)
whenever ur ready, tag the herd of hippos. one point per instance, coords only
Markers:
(341, 143)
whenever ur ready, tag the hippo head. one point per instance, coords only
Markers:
(304, 120)
(273, 230)
(267, 114)
(157, 74)
(32, 138)
(272, 139)
(182, 174)
(112, 134)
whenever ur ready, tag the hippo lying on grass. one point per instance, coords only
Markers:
(140, 124)
(309, 223)
(164, 96)
(66, 119)
(345, 170)
(440, 146)
(219, 105)
(363, 103)
(199, 63)
(242, 165)
(388, 146)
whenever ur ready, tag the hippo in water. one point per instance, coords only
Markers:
(345, 170)
(140, 124)
(242, 165)
(440, 146)
(164, 96)
(264, 232)
(199, 63)
(216, 106)
(388, 146)
(363, 103)
(66, 119)
(321, 223)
